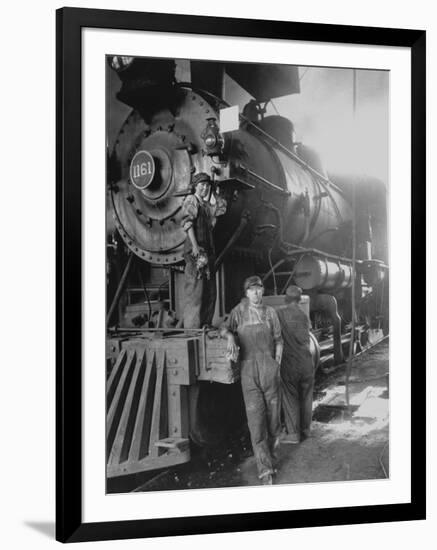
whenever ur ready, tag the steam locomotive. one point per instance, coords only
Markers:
(286, 220)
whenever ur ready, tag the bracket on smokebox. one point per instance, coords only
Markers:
(235, 182)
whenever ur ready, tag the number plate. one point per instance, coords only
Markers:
(142, 169)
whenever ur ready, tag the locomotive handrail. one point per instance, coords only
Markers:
(323, 179)
(244, 220)
(264, 180)
(300, 250)
(162, 329)
(119, 288)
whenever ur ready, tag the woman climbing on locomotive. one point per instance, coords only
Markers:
(199, 215)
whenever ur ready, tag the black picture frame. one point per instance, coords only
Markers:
(69, 524)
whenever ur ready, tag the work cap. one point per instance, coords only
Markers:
(253, 280)
(294, 292)
(201, 176)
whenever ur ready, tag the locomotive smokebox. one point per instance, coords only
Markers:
(155, 175)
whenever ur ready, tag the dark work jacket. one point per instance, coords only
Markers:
(295, 327)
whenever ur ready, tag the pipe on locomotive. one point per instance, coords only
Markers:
(323, 271)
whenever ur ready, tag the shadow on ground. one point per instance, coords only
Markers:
(46, 528)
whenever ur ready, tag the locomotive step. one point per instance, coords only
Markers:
(178, 443)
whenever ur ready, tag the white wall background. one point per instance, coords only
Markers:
(28, 269)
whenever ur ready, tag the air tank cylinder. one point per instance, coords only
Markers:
(316, 273)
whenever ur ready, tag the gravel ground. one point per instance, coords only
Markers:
(341, 447)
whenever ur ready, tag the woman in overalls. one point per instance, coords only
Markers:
(198, 220)
(259, 337)
(199, 215)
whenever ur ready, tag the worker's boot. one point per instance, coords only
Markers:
(276, 452)
(266, 478)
